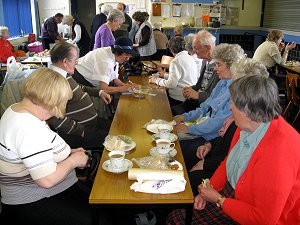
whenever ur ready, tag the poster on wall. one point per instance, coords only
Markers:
(166, 11)
(176, 10)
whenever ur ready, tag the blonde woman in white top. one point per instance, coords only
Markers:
(269, 52)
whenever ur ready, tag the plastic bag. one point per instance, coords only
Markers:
(14, 70)
(152, 162)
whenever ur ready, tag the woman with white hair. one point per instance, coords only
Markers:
(98, 20)
(80, 36)
(104, 36)
(6, 48)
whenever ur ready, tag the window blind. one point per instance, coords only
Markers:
(282, 15)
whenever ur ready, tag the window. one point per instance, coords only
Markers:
(17, 17)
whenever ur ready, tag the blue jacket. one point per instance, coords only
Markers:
(216, 107)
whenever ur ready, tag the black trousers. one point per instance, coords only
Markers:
(68, 207)
(46, 43)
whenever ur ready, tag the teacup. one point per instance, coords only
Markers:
(116, 159)
(164, 131)
(163, 146)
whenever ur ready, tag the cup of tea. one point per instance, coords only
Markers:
(164, 131)
(116, 159)
(163, 146)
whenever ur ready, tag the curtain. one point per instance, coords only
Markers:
(17, 17)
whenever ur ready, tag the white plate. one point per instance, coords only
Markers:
(127, 149)
(153, 152)
(127, 165)
(173, 137)
(154, 127)
(180, 167)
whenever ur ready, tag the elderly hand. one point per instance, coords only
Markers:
(152, 80)
(199, 203)
(203, 150)
(208, 193)
(179, 118)
(105, 97)
(79, 158)
(181, 128)
(290, 46)
(161, 74)
(198, 166)
(190, 93)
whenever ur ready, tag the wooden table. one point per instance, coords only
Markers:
(113, 190)
(292, 69)
(157, 63)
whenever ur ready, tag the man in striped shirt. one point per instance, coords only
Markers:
(81, 126)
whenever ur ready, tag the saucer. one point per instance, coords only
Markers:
(153, 152)
(126, 166)
(153, 128)
(172, 138)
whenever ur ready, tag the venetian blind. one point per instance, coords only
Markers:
(282, 15)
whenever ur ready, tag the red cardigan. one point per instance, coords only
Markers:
(268, 192)
(6, 50)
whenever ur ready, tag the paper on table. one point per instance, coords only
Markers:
(157, 181)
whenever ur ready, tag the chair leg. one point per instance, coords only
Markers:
(296, 116)
(286, 110)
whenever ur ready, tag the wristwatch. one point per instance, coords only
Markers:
(218, 203)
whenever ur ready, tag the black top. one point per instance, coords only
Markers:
(98, 20)
(85, 40)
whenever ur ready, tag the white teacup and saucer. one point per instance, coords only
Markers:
(164, 147)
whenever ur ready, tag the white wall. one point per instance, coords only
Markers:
(49, 8)
(250, 16)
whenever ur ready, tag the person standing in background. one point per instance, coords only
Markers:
(80, 36)
(98, 20)
(126, 26)
(6, 48)
(104, 35)
(144, 39)
(50, 30)
(161, 41)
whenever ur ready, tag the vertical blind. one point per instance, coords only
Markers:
(282, 15)
(17, 16)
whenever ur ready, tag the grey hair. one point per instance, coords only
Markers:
(246, 67)
(189, 41)
(115, 14)
(178, 28)
(206, 38)
(106, 8)
(68, 19)
(3, 29)
(176, 44)
(156, 26)
(228, 53)
(256, 96)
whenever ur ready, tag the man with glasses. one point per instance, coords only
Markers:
(203, 43)
(81, 126)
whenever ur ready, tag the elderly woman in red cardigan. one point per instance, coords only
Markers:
(6, 49)
(259, 181)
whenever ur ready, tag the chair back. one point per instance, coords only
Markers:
(291, 86)
(166, 59)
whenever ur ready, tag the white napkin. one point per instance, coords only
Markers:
(159, 183)
(160, 121)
